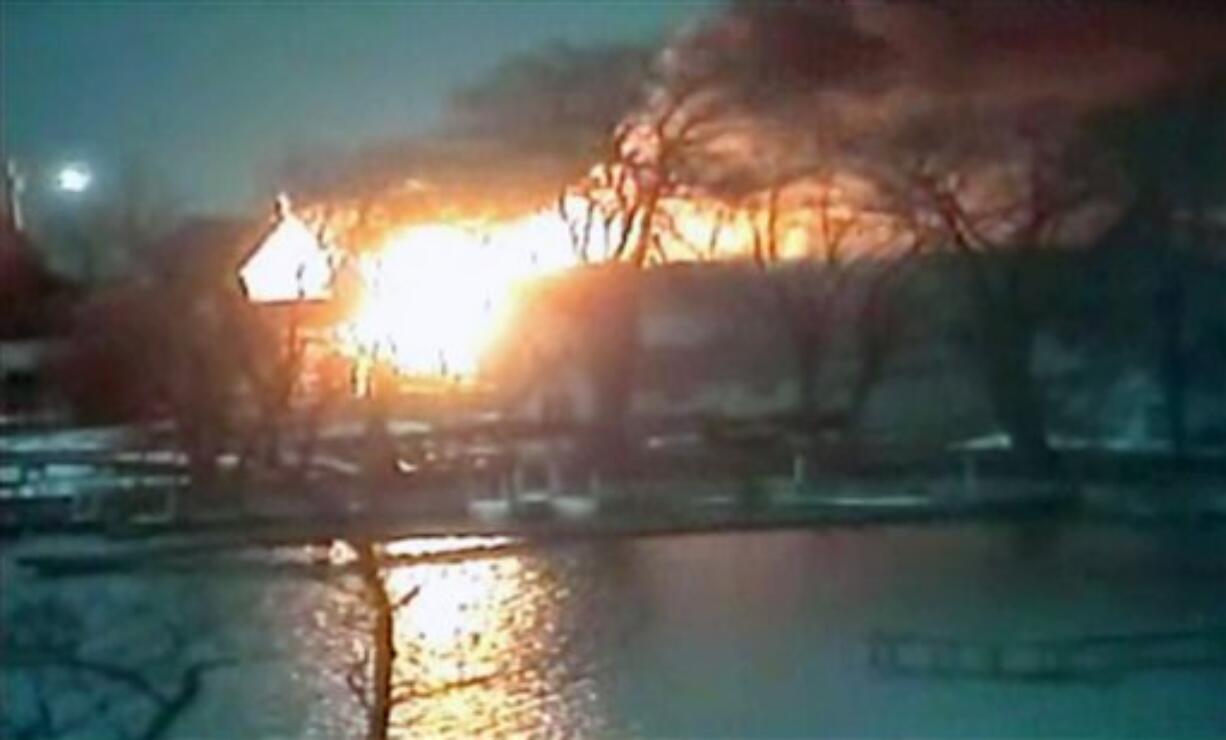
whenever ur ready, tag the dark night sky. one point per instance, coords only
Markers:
(213, 94)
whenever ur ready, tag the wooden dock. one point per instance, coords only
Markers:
(1084, 658)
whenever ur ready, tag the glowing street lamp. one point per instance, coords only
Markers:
(73, 178)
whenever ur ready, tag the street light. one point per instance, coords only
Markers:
(73, 178)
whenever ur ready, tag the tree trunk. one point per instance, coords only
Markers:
(807, 364)
(1005, 343)
(869, 372)
(1172, 319)
(1015, 396)
(876, 342)
(380, 455)
(382, 641)
(613, 355)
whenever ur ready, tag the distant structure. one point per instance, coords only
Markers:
(35, 306)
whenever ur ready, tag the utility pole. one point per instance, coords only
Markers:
(13, 186)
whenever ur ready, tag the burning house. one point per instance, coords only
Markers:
(297, 284)
(289, 264)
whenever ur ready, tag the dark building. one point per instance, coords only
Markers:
(35, 309)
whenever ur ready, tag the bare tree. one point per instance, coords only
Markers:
(1173, 153)
(730, 124)
(998, 198)
(840, 283)
(371, 678)
(622, 216)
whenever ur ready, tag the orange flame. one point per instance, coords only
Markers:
(436, 296)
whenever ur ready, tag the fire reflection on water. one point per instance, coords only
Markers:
(476, 648)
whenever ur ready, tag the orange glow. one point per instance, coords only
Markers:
(428, 303)
(435, 296)
(474, 641)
